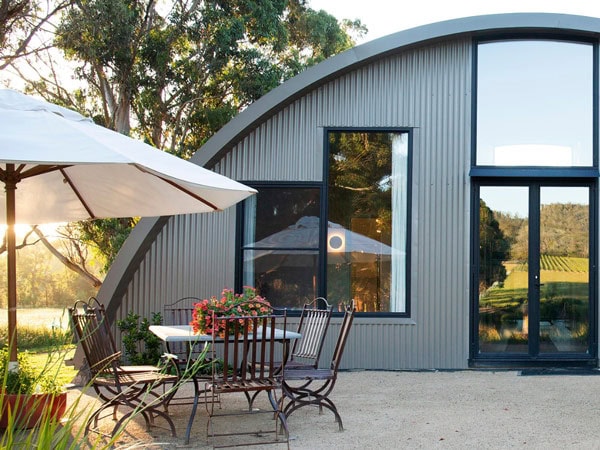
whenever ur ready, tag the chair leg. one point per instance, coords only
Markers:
(300, 396)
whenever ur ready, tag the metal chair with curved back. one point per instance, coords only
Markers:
(313, 325)
(304, 386)
(249, 346)
(134, 388)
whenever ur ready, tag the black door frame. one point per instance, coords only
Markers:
(510, 360)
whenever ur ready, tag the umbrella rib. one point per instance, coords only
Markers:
(79, 196)
(41, 170)
(191, 194)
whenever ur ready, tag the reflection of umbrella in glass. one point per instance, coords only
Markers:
(302, 238)
(59, 166)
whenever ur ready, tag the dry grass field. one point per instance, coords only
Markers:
(38, 317)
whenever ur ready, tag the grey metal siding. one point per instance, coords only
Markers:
(427, 89)
(183, 261)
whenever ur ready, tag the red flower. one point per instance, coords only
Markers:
(248, 303)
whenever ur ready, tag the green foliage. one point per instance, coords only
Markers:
(212, 57)
(359, 179)
(37, 338)
(141, 346)
(106, 236)
(28, 379)
(564, 231)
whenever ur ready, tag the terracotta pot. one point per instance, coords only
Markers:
(31, 408)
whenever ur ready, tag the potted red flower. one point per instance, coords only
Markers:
(248, 303)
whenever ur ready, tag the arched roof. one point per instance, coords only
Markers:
(144, 233)
(360, 55)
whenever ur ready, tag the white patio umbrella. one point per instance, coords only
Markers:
(58, 166)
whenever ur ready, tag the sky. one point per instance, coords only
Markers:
(383, 17)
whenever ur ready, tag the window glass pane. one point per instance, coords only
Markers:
(534, 103)
(564, 269)
(281, 244)
(366, 248)
(275, 209)
(503, 269)
(285, 278)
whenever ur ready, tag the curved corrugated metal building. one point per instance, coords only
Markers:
(443, 177)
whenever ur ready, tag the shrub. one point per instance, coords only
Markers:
(141, 346)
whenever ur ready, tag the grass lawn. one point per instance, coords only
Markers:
(42, 317)
(41, 334)
(53, 363)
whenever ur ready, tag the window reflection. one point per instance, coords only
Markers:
(534, 103)
(281, 244)
(367, 229)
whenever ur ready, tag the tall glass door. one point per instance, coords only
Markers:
(534, 296)
(564, 269)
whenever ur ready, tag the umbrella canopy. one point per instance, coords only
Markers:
(67, 168)
(58, 166)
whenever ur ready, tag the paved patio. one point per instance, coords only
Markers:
(430, 409)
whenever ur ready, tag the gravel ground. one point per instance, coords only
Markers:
(431, 409)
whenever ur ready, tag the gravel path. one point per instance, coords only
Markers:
(447, 410)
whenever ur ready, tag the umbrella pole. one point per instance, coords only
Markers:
(10, 187)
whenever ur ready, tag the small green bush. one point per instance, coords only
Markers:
(141, 346)
(27, 379)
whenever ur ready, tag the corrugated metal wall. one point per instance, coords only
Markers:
(427, 89)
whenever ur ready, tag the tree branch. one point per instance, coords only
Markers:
(90, 278)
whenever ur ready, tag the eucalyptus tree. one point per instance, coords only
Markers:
(494, 248)
(180, 70)
(177, 70)
(23, 26)
(173, 73)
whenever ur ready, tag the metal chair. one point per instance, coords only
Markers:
(249, 347)
(133, 388)
(305, 386)
(313, 325)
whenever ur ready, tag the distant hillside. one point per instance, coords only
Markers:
(564, 231)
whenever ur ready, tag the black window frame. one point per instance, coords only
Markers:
(514, 175)
(323, 187)
(240, 217)
(325, 208)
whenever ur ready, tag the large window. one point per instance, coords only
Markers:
(294, 248)
(534, 103)
(367, 209)
(534, 202)
(280, 243)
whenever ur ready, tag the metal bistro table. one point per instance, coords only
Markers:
(184, 333)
